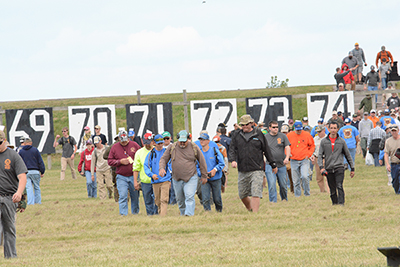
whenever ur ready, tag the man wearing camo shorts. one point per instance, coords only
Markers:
(247, 151)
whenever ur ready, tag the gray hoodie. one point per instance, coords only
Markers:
(334, 159)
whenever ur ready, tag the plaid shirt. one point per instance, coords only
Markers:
(376, 133)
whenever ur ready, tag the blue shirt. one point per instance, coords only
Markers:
(226, 142)
(214, 161)
(152, 166)
(385, 120)
(349, 134)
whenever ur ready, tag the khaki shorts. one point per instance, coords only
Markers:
(250, 184)
(347, 87)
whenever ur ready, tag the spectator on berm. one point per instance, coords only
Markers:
(383, 54)
(353, 64)
(97, 129)
(358, 53)
(339, 77)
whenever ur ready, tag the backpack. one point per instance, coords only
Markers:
(173, 149)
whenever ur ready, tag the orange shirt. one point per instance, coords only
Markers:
(374, 120)
(301, 145)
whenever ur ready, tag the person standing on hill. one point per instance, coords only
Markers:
(358, 53)
(247, 151)
(339, 77)
(348, 79)
(12, 185)
(392, 160)
(34, 162)
(301, 147)
(69, 148)
(333, 148)
(97, 132)
(383, 54)
(366, 103)
(373, 81)
(353, 64)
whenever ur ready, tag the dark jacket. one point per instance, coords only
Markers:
(249, 154)
(373, 78)
(333, 159)
(32, 158)
(339, 78)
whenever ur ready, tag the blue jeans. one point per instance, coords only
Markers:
(184, 192)
(353, 156)
(384, 83)
(271, 179)
(374, 88)
(172, 198)
(33, 187)
(213, 187)
(125, 183)
(395, 171)
(300, 174)
(376, 159)
(91, 185)
(148, 196)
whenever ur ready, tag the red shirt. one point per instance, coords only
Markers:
(119, 152)
(86, 156)
(332, 142)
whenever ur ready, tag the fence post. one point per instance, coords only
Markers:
(138, 96)
(49, 161)
(185, 110)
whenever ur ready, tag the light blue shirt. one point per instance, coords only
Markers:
(349, 134)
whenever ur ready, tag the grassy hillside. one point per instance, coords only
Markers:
(61, 117)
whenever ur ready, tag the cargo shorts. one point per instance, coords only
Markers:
(250, 184)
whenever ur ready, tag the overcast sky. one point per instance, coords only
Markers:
(62, 49)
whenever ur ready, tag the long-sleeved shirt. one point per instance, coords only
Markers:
(376, 133)
(152, 166)
(98, 161)
(119, 152)
(138, 164)
(214, 161)
(301, 145)
(32, 158)
(85, 161)
(184, 161)
(366, 102)
(383, 54)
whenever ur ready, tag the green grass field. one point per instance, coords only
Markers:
(68, 229)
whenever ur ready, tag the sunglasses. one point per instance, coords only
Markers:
(166, 138)
(274, 127)
(159, 139)
(64, 131)
(1, 142)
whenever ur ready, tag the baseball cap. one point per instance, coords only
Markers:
(147, 138)
(387, 111)
(320, 120)
(2, 136)
(123, 136)
(350, 53)
(372, 67)
(28, 140)
(356, 44)
(298, 125)
(245, 119)
(394, 127)
(320, 128)
(334, 112)
(96, 139)
(366, 113)
(347, 120)
(339, 112)
(355, 115)
(166, 134)
(216, 139)
(221, 125)
(159, 139)
(131, 132)
(86, 128)
(307, 128)
(183, 136)
(22, 139)
(89, 142)
(373, 111)
(204, 136)
(379, 111)
(97, 127)
(285, 128)
(341, 84)
(305, 119)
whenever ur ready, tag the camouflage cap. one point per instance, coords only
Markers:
(245, 119)
(320, 128)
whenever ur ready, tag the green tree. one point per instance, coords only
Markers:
(275, 83)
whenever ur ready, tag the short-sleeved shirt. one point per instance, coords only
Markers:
(393, 102)
(277, 144)
(102, 137)
(349, 134)
(68, 144)
(11, 165)
(391, 146)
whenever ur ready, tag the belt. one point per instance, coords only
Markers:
(394, 163)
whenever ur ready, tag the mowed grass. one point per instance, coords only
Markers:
(69, 229)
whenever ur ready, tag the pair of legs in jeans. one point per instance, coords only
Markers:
(33, 187)
(300, 176)
(353, 156)
(395, 171)
(184, 193)
(125, 184)
(271, 179)
(335, 182)
(213, 187)
(91, 185)
(148, 196)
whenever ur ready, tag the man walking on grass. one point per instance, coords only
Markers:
(12, 185)
(103, 170)
(69, 148)
(247, 151)
(392, 155)
(332, 149)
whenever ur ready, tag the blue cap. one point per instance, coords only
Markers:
(298, 125)
(183, 136)
(159, 139)
(387, 111)
(131, 132)
(204, 136)
(347, 120)
(321, 120)
(307, 128)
